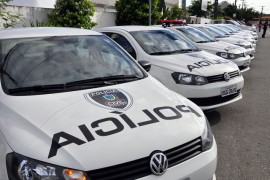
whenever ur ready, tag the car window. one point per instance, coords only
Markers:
(224, 31)
(123, 42)
(196, 35)
(230, 28)
(61, 60)
(159, 42)
(214, 32)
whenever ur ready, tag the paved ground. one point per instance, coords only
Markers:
(242, 129)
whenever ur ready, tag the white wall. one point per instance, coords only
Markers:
(104, 17)
(203, 20)
(28, 14)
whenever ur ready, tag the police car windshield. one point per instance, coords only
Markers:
(213, 32)
(224, 31)
(230, 28)
(196, 35)
(162, 42)
(234, 27)
(45, 62)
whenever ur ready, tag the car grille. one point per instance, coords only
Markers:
(210, 101)
(141, 167)
(220, 77)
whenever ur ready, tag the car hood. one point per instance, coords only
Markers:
(221, 46)
(235, 41)
(249, 36)
(199, 63)
(90, 132)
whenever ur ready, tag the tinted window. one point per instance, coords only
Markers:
(158, 42)
(224, 31)
(123, 42)
(214, 32)
(196, 35)
(61, 60)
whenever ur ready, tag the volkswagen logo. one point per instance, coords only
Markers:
(158, 164)
(227, 76)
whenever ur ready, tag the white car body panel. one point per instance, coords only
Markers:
(250, 48)
(220, 46)
(66, 107)
(29, 123)
(164, 65)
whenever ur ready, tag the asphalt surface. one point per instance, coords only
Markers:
(242, 129)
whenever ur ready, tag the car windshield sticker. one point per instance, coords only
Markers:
(113, 99)
(204, 62)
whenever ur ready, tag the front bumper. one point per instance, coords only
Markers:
(209, 96)
(251, 52)
(200, 167)
(243, 63)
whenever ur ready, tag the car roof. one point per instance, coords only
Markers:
(132, 28)
(15, 33)
(180, 27)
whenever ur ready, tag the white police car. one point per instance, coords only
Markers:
(75, 106)
(241, 31)
(222, 37)
(234, 33)
(206, 79)
(225, 50)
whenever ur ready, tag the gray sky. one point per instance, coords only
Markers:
(256, 4)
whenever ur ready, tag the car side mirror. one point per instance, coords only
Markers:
(146, 65)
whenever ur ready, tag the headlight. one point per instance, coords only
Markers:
(23, 168)
(207, 137)
(228, 55)
(188, 79)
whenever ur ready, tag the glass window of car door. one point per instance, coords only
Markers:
(123, 42)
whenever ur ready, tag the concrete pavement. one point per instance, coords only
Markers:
(242, 129)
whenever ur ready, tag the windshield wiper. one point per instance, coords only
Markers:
(183, 50)
(38, 88)
(172, 52)
(109, 80)
(161, 53)
(202, 41)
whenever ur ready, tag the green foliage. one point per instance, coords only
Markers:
(136, 12)
(75, 13)
(162, 6)
(10, 19)
(230, 10)
(175, 13)
(247, 14)
(195, 9)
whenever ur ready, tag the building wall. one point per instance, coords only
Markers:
(104, 17)
(28, 14)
